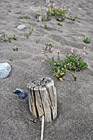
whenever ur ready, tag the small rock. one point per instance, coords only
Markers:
(79, 9)
(5, 69)
(21, 93)
(20, 27)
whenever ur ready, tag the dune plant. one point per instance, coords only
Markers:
(14, 37)
(27, 35)
(45, 26)
(9, 10)
(60, 12)
(72, 62)
(37, 40)
(86, 40)
(71, 18)
(53, 10)
(75, 62)
(6, 38)
(46, 32)
(41, 11)
(11, 58)
(24, 17)
(49, 46)
(59, 23)
(15, 48)
(30, 32)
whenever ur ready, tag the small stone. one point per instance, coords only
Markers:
(5, 69)
(21, 93)
(20, 27)
(79, 9)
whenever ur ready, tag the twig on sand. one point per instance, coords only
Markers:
(42, 128)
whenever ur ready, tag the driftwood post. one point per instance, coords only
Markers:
(42, 98)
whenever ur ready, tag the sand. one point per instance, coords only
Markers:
(75, 99)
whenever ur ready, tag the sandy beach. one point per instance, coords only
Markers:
(74, 98)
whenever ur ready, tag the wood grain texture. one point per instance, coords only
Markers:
(42, 98)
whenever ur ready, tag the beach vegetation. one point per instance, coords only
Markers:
(59, 23)
(37, 40)
(49, 46)
(6, 38)
(45, 26)
(30, 32)
(15, 48)
(86, 40)
(11, 58)
(24, 17)
(73, 62)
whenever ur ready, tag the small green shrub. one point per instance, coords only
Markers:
(24, 17)
(72, 62)
(6, 38)
(71, 18)
(30, 32)
(49, 46)
(9, 10)
(15, 48)
(86, 40)
(75, 62)
(59, 23)
(14, 37)
(37, 40)
(45, 26)
(41, 11)
(11, 58)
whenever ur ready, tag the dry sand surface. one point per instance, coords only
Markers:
(75, 99)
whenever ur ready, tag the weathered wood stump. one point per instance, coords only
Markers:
(41, 16)
(42, 98)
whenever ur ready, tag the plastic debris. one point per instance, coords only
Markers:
(21, 93)
(20, 27)
(5, 69)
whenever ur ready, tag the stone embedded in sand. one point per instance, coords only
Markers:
(79, 9)
(20, 27)
(5, 69)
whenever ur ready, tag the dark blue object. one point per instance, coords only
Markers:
(21, 93)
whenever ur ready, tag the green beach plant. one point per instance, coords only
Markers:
(15, 48)
(72, 62)
(24, 17)
(30, 32)
(49, 46)
(11, 58)
(6, 38)
(37, 40)
(9, 10)
(59, 23)
(14, 37)
(53, 10)
(45, 26)
(86, 40)
(41, 11)
(71, 18)
(60, 12)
